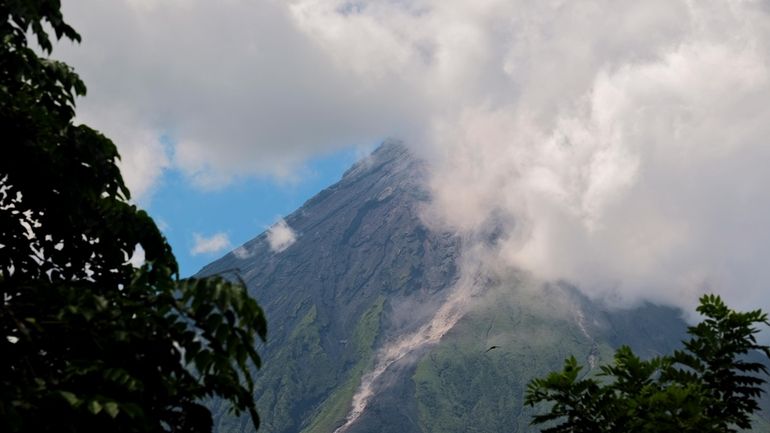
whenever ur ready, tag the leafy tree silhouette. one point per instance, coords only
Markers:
(710, 386)
(89, 342)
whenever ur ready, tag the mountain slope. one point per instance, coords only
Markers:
(368, 294)
(360, 249)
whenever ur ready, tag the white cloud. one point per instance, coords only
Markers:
(239, 86)
(635, 170)
(242, 253)
(209, 245)
(616, 143)
(280, 236)
(142, 155)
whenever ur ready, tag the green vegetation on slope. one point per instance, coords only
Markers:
(336, 407)
(463, 386)
(302, 372)
(298, 371)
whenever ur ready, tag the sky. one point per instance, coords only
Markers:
(202, 225)
(616, 144)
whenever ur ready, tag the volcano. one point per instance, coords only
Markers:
(380, 323)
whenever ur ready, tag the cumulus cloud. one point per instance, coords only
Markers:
(614, 143)
(280, 236)
(630, 166)
(215, 243)
(239, 87)
(142, 155)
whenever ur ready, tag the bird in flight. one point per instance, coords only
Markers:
(493, 347)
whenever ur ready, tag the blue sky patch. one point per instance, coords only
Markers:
(228, 217)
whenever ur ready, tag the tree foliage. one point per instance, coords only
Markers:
(709, 386)
(89, 342)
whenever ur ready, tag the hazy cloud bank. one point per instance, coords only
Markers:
(618, 144)
(237, 86)
(629, 155)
